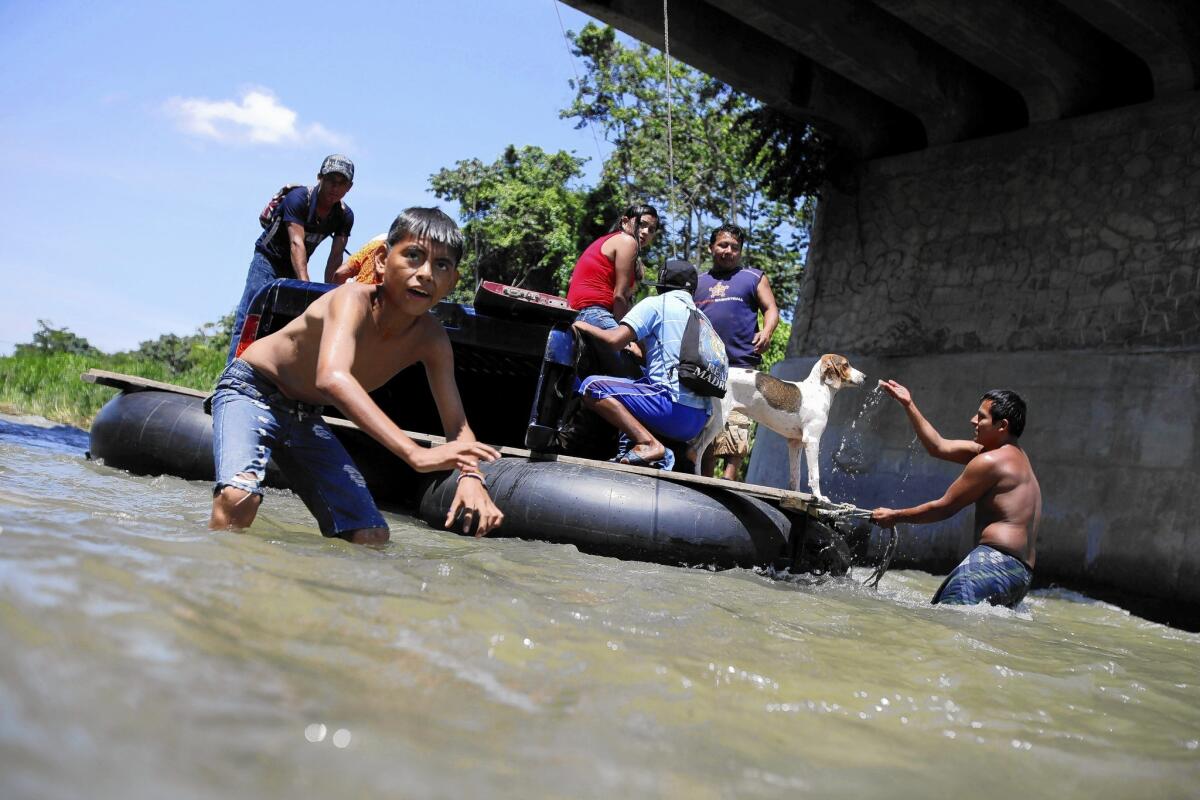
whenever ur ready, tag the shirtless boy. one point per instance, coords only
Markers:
(999, 480)
(347, 343)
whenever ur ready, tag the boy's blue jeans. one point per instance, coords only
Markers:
(253, 421)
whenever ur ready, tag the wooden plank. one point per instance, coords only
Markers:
(135, 383)
(785, 499)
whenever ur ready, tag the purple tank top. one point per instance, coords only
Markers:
(731, 305)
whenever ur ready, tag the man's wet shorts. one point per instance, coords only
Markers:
(734, 440)
(986, 574)
(253, 421)
(650, 403)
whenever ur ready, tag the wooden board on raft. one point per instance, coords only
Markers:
(785, 499)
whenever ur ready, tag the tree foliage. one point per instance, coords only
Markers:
(522, 216)
(180, 354)
(795, 159)
(527, 217)
(48, 340)
(720, 166)
(177, 354)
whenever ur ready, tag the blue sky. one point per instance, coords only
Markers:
(141, 139)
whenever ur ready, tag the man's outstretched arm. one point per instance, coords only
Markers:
(960, 451)
(979, 477)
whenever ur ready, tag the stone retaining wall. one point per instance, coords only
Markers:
(1077, 234)
(1061, 262)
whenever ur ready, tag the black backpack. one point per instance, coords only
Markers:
(703, 365)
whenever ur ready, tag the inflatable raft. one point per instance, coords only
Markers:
(511, 371)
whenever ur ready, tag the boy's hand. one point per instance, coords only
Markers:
(453, 455)
(475, 507)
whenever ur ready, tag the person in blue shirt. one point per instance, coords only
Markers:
(305, 218)
(654, 405)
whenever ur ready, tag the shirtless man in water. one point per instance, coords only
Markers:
(999, 480)
(346, 344)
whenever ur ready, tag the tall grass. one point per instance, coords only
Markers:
(49, 384)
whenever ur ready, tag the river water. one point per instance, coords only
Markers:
(143, 656)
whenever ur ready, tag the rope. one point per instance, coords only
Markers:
(889, 552)
(846, 511)
(670, 145)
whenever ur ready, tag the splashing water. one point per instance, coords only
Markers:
(850, 458)
(914, 447)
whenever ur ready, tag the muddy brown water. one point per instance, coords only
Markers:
(143, 656)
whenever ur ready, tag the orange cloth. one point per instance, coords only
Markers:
(364, 260)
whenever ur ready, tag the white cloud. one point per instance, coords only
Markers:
(258, 118)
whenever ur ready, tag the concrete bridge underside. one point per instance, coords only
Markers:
(893, 76)
(1024, 212)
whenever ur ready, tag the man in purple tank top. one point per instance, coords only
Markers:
(731, 296)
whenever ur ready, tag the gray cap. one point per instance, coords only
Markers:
(339, 164)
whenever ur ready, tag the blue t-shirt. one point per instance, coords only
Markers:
(731, 304)
(659, 323)
(295, 208)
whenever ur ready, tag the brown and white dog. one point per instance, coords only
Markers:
(797, 411)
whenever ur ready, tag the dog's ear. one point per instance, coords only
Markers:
(830, 373)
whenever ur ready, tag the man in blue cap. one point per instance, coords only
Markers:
(303, 219)
(655, 404)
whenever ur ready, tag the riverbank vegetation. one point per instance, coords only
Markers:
(42, 377)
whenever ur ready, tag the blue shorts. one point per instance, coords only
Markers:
(986, 574)
(253, 421)
(650, 404)
(599, 316)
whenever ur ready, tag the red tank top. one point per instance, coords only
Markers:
(594, 277)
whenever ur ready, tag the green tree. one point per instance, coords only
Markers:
(180, 354)
(794, 158)
(48, 339)
(523, 216)
(723, 167)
